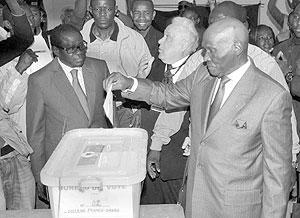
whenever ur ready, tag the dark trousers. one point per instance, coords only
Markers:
(158, 191)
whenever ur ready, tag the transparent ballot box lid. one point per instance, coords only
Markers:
(97, 157)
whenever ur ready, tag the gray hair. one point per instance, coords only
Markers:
(188, 29)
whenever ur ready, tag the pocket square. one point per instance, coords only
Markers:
(241, 124)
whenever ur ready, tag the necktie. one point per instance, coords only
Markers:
(216, 105)
(2, 142)
(168, 75)
(79, 92)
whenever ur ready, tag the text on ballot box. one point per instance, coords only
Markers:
(97, 173)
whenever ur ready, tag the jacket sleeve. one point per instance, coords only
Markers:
(19, 42)
(99, 114)
(276, 133)
(163, 96)
(35, 125)
(167, 124)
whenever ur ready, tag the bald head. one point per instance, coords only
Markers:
(226, 44)
(228, 29)
(228, 9)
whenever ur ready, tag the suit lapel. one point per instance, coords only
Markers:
(206, 89)
(65, 88)
(90, 86)
(238, 98)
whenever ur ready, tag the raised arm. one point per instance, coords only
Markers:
(22, 38)
(276, 14)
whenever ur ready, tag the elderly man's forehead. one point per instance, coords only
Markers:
(228, 9)
(109, 2)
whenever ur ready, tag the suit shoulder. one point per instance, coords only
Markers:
(95, 61)
(267, 82)
(43, 73)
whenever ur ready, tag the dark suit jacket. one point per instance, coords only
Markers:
(172, 161)
(240, 166)
(18, 43)
(53, 107)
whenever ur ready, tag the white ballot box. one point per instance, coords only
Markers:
(97, 173)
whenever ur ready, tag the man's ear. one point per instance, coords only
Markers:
(55, 50)
(237, 48)
(153, 16)
(116, 10)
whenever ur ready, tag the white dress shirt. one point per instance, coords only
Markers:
(234, 77)
(67, 71)
(177, 68)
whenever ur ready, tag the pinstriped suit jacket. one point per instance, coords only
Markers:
(240, 166)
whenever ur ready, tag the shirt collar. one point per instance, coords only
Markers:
(238, 73)
(113, 37)
(66, 68)
(180, 62)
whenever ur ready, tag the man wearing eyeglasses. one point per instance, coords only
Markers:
(66, 94)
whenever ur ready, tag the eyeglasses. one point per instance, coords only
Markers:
(180, 7)
(98, 10)
(80, 47)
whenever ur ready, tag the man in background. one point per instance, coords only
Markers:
(17, 186)
(165, 162)
(22, 38)
(123, 49)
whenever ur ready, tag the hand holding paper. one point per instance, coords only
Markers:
(108, 105)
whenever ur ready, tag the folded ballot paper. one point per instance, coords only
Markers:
(108, 105)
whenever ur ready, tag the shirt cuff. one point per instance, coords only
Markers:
(20, 15)
(133, 87)
(156, 145)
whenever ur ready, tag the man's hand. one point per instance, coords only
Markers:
(153, 167)
(118, 82)
(145, 67)
(25, 60)
(186, 146)
(41, 192)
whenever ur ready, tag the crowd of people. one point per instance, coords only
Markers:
(219, 99)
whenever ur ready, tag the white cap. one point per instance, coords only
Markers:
(190, 1)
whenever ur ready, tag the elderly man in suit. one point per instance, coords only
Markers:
(240, 162)
(66, 94)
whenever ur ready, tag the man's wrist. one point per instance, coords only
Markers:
(19, 69)
(133, 86)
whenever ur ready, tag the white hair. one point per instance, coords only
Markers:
(188, 29)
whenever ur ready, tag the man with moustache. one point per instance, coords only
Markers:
(66, 94)
(241, 153)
